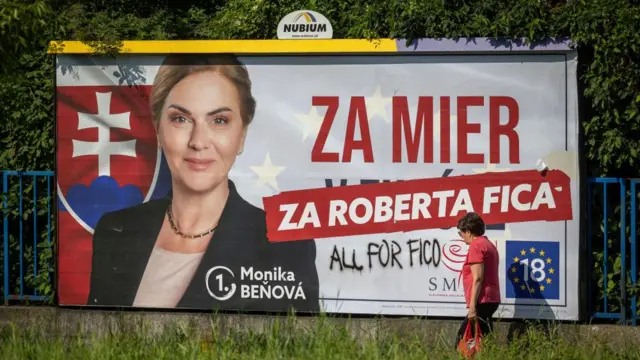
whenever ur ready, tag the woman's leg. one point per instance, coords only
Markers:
(485, 317)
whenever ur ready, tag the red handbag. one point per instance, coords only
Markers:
(469, 345)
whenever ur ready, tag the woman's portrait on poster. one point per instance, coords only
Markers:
(158, 254)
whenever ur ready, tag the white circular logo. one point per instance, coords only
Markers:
(305, 24)
(228, 291)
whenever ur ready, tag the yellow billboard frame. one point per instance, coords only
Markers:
(311, 46)
(232, 46)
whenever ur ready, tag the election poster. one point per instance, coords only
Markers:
(328, 183)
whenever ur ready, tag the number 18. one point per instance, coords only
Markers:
(536, 269)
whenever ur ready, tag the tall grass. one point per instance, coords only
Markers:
(283, 340)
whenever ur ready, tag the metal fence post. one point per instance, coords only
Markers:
(634, 249)
(623, 253)
(5, 237)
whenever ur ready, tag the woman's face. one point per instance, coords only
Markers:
(466, 236)
(201, 130)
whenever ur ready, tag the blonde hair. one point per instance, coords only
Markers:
(176, 67)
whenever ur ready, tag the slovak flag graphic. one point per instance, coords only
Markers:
(107, 159)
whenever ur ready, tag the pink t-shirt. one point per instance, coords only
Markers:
(481, 250)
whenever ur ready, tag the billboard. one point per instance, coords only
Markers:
(328, 183)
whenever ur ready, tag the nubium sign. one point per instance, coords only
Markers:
(190, 178)
(305, 24)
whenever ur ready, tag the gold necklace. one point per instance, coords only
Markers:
(180, 233)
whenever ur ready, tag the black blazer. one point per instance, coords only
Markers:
(123, 241)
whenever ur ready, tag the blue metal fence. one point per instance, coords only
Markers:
(37, 186)
(611, 204)
(635, 250)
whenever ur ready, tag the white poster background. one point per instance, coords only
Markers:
(285, 128)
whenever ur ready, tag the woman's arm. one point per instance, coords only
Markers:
(477, 272)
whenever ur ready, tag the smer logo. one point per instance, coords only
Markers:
(454, 255)
(254, 284)
(305, 24)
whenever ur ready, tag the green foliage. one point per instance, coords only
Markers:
(609, 31)
(21, 26)
(606, 33)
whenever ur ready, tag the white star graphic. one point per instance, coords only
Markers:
(310, 123)
(377, 105)
(267, 172)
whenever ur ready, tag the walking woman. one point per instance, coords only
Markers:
(479, 275)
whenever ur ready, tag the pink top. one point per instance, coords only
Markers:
(481, 250)
(166, 278)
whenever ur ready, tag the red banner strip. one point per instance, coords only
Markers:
(402, 206)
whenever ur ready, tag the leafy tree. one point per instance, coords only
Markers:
(21, 26)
